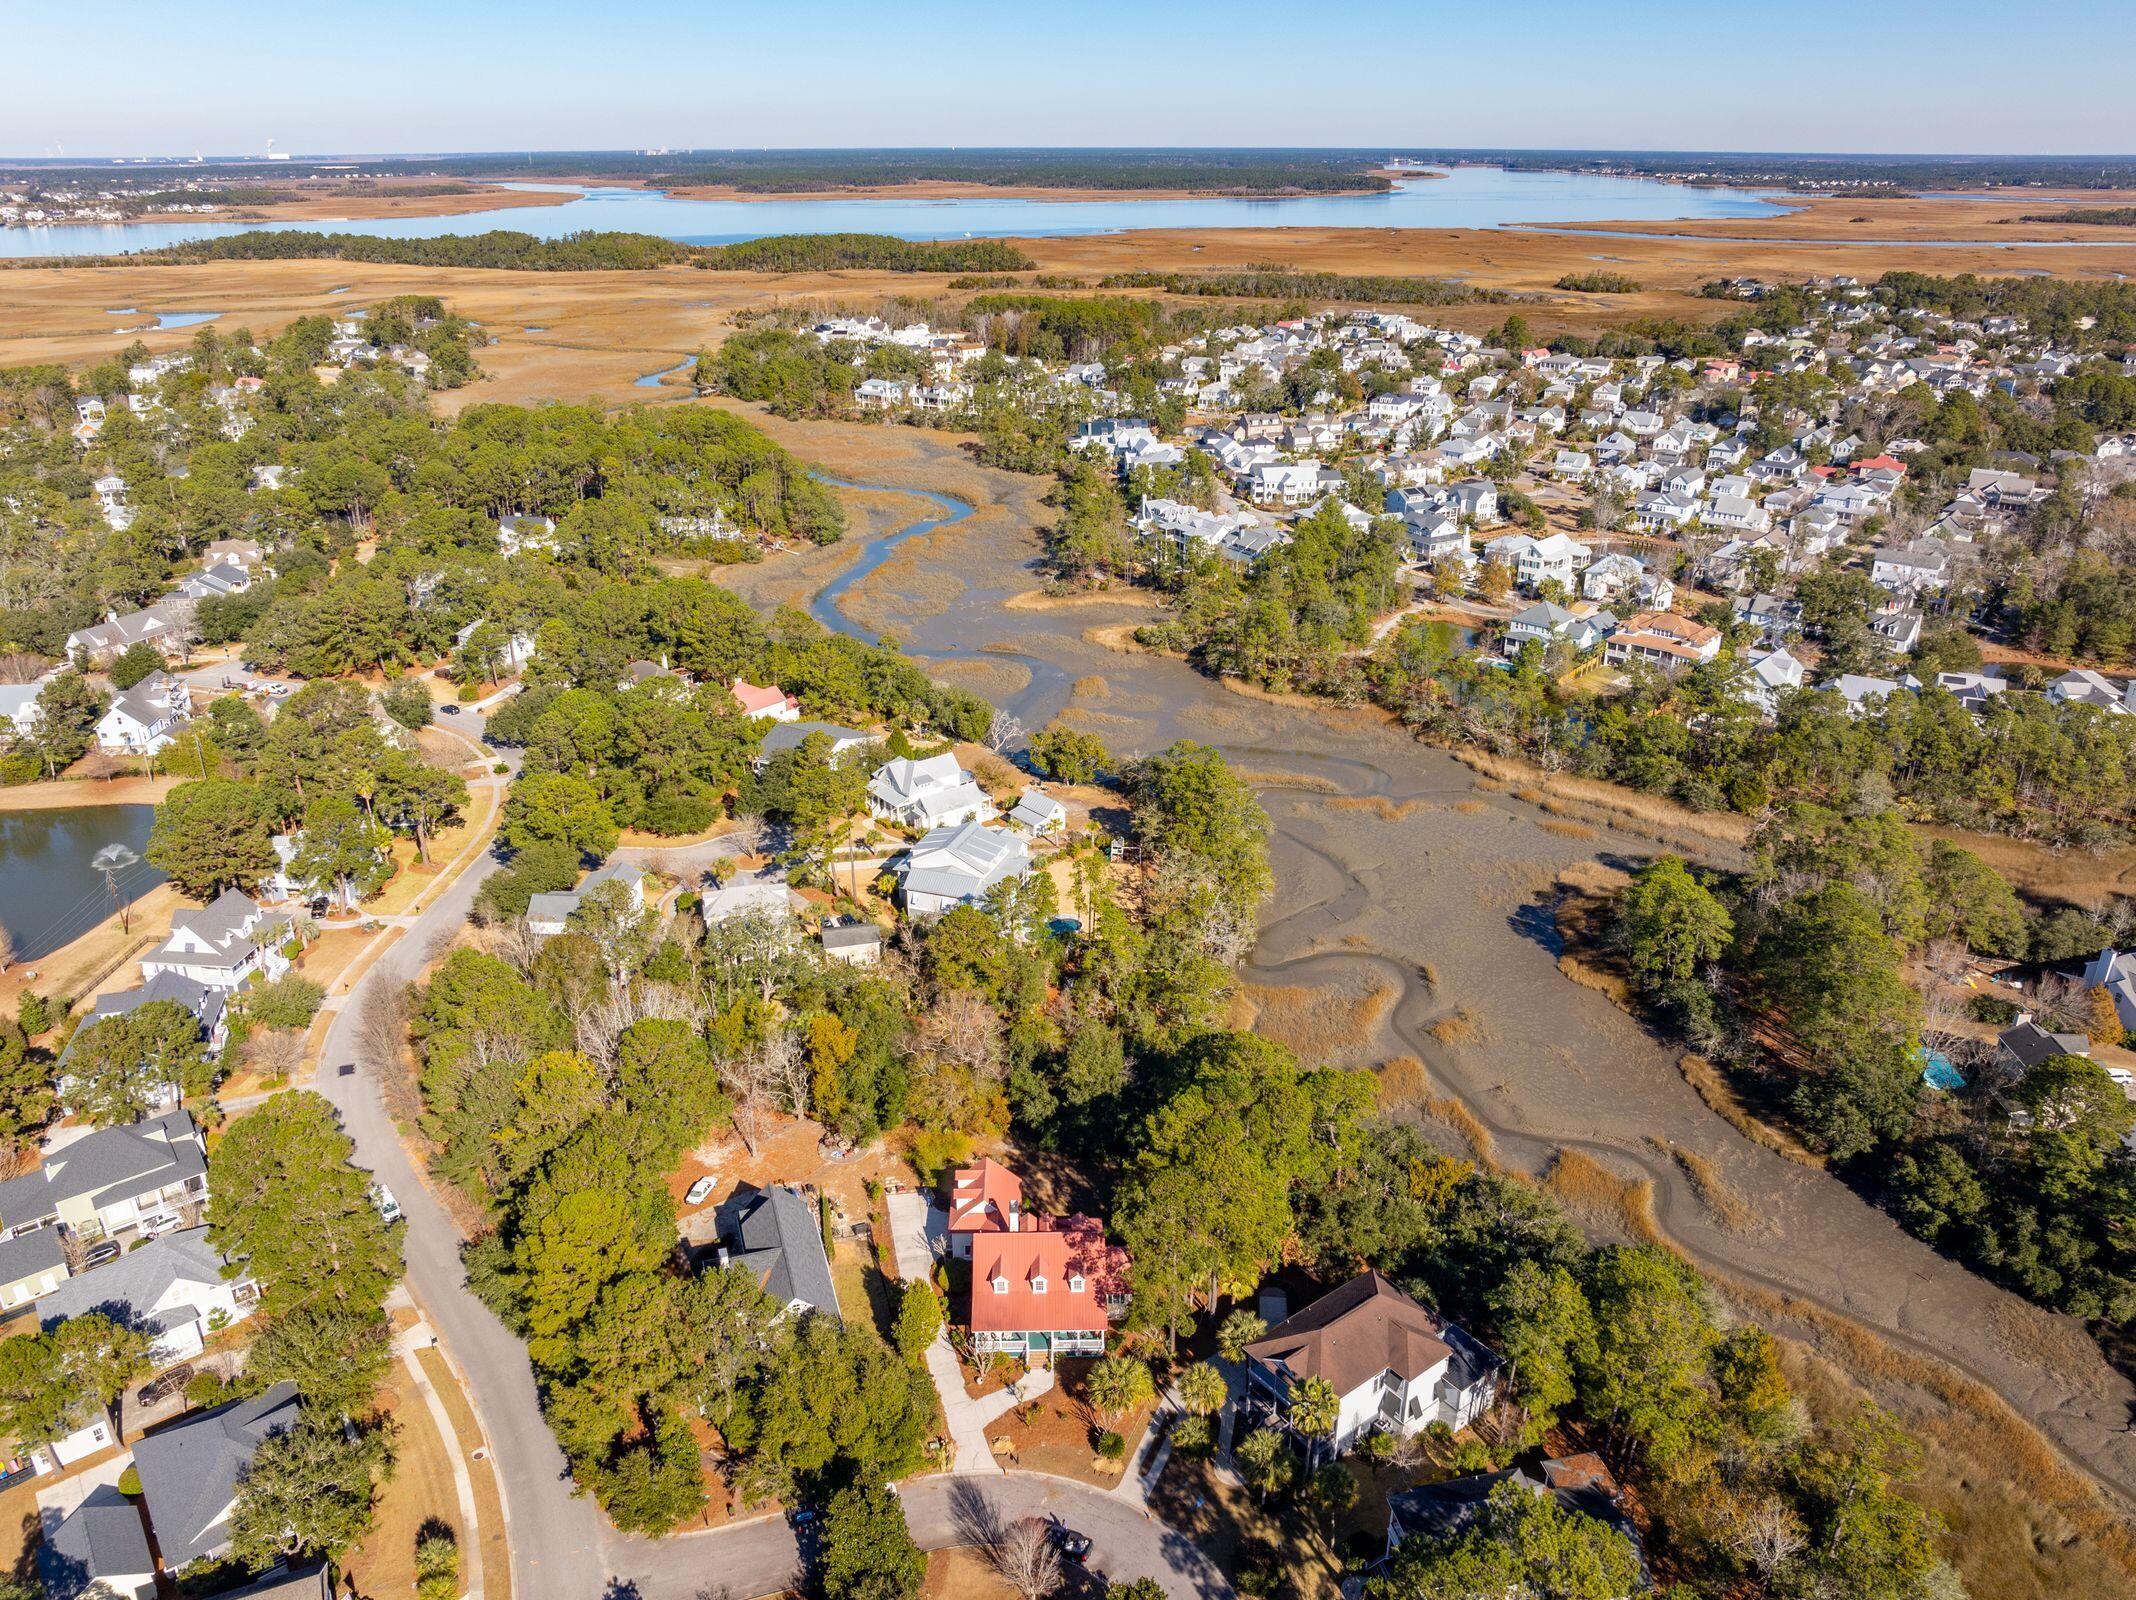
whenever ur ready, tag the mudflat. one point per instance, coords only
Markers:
(1412, 932)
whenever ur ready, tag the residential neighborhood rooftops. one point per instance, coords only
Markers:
(99, 1549)
(127, 1290)
(112, 1162)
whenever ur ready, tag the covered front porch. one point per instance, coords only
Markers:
(1038, 1348)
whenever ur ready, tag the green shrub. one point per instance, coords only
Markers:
(408, 704)
(1111, 1446)
(288, 1002)
(674, 811)
(1992, 1009)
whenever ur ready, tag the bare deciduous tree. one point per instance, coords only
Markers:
(1002, 730)
(275, 1052)
(513, 942)
(1769, 1535)
(1025, 1559)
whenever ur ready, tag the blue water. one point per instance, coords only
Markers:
(1466, 197)
(184, 319)
(824, 607)
(49, 894)
(652, 380)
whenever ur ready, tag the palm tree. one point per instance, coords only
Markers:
(1117, 1385)
(1237, 1331)
(1202, 1389)
(1315, 1408)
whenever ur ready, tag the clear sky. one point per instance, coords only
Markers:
(146, 76)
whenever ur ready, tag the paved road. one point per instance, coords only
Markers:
(555, 1537)
(761, 1558)
(561, 1546)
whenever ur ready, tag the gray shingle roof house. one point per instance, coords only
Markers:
(285, 1583)
(190, 1472)
(34, 1264)
(777, 1235)
(171, 1287)
(549, 914)
(2028, 1044)
(99, 1549)
(111, 1180)
(788, 736)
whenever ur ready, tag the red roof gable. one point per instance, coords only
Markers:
(1881, 463)
(1025, 1283)
(985, 1198)
(756, 698)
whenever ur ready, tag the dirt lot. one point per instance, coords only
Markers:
(1053, 1433)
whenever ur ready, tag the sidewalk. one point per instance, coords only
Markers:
(405, 1347)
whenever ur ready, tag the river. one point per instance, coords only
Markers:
(1413, 918)
(49, 893)
(1464, 197)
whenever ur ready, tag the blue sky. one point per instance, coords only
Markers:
(130, 76)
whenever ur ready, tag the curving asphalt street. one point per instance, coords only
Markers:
(555, 1537)
(561, 1546)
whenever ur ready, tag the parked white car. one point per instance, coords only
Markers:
(388, 1207)
(698, 1190)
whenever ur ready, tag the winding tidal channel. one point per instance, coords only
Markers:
(1409, 897)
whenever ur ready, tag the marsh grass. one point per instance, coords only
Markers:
(1322, 1021)
(1598, 1196)
(1456, 1028)
(1728, 1208)
(1453, 1114)
(1722, 1099)
(1403, 1082)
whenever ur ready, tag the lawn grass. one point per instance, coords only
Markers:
(489, 1499)
(420, 1490)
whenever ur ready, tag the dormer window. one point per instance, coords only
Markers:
(1001, 1285)
(1038, 1285)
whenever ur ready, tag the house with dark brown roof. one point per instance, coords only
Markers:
(1444, 1511)
(1396, 1366)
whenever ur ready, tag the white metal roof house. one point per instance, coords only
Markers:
(956, 866)
(1038, 813)
(932, 792)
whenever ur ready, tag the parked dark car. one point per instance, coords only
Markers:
(450, 710)
(98, 1254)
(1073, 1546)
(165, 1384)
